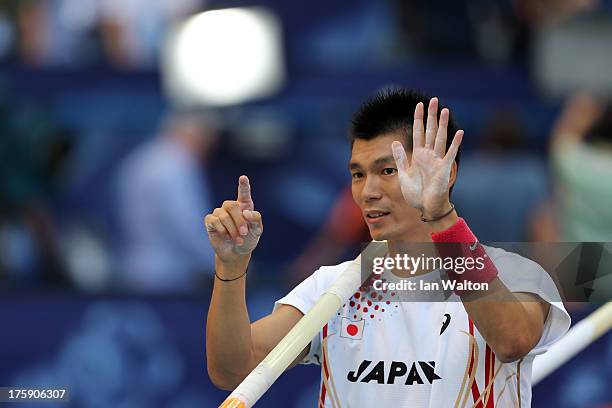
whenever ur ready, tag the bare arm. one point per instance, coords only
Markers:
(511, 323)
(234, 345)
(578, 116)
(511, 327)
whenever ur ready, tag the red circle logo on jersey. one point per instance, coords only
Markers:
(352, 329)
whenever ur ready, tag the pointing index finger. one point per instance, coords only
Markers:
(244, 193)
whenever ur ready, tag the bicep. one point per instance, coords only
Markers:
(268, 331)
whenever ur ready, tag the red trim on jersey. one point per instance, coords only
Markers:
(325, 373)
(475, 391)
(489, 368)
(322, 397)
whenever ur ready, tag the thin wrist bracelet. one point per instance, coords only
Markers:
(440, 217)
(233, 279)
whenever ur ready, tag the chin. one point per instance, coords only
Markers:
(378, 235)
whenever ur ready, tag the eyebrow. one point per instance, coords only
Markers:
(377, 162)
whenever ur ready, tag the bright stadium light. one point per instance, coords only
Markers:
(224, 57)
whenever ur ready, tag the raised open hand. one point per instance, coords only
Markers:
(425, 179)
(235, 227)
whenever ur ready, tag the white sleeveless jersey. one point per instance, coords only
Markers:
(381, 352)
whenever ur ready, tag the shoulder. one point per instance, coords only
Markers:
(518, 272)
(333, 269)
(511, 260)
(522, 274)
(321, 278)
(327, 274)
(304, 295)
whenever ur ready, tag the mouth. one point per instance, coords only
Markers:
(376, 216)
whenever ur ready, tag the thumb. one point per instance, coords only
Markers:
(244, 194)
(254, 220)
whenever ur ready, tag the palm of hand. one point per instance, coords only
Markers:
(425, 180)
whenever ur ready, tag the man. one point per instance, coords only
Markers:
(581, 154)
(474, 349)
(161, 187)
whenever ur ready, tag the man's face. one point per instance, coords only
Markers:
(376, 189)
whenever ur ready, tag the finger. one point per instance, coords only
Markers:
(440, 144)
(454, 147)
(244, 193)
(432, 123)
(417, 127)
(235, 212)
(214, 226)
(254, 220)
(229, 225)
(399, 154)
(251, 216)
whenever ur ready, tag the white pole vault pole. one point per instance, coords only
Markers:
(263, 376)
(580, 336)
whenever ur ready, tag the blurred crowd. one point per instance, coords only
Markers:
(129, 34)
(76, 33)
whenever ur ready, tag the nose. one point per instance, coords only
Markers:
(371, 189)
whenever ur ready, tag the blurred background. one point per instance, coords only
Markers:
(122, 123)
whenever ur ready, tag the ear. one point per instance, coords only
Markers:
(453, 175)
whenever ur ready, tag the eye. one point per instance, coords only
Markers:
(357, 175)
(389, 171)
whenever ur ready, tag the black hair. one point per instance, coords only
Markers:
(392, 111)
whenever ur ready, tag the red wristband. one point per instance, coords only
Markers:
(459, 241)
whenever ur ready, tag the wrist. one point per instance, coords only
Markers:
(443, 224)
(231, 269)
(435, 211)
(442, 219)
(459, 242)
